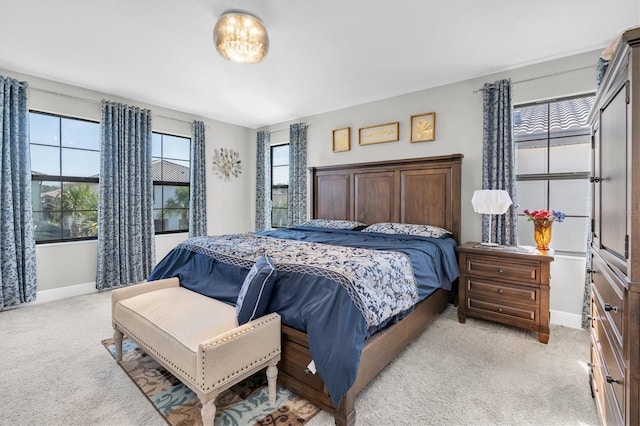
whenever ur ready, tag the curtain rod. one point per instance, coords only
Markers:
(286, 128)
(543, 76)
(94, 102)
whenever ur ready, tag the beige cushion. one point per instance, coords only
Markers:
(174, 334)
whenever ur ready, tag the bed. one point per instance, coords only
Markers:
(321, 291)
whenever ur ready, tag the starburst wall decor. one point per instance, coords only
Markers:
(226, 163)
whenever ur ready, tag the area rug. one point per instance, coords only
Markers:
(242, 405)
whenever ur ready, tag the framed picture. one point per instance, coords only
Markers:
(377, 134)
(342, 139)
(423, 127)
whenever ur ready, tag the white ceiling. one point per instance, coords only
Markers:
(324, 55)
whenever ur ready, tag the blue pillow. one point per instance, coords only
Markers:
(256, 290)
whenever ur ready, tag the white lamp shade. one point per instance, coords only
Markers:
(491, 201)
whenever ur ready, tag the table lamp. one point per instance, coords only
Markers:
(491, 201)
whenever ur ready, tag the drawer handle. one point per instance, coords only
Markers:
(610, 379)
(500, 291)
(608, 307)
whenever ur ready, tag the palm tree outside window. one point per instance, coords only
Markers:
(65, 169)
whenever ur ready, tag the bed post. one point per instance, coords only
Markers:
(345, 414)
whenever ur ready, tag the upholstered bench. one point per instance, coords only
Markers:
(196, 338)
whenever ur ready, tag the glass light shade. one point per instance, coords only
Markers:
(241, 38)
(491, 201)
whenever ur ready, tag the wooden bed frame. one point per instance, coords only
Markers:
(420, 190)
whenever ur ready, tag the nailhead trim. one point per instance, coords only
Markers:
(223, 380)
(168, 361)
(248, 367)
(235, 373)
(253, 327)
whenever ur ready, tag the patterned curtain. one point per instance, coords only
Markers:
(263, 181)
(297, 212)
(498, 159)
(198, 183)
(126, 242)
(17, 244)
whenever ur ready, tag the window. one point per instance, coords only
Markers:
(65, 168)
(170, 169)
(279, 185)
(553, 148)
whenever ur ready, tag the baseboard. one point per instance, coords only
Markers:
(64, 292)
(566, 319)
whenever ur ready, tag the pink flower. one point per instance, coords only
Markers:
(550, 215)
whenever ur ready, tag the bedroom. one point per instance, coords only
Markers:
(459, 128)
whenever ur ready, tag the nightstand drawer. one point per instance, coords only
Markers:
(523, 272)
(496, 310)
(505, 285)
(503, 292)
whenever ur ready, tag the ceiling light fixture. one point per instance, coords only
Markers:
(241, 38)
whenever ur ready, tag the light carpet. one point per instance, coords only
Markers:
(53, 371)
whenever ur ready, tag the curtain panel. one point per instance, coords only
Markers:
(263, 181)
(498, 159)
(198, 182)
(126, 241)
(17, 243)
(297, 212)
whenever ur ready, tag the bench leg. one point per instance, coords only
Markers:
(208, 411)
(117, 341)
(272, 376)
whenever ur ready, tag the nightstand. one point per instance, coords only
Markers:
(509, 285)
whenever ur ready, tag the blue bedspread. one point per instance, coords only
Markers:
(433, 259)
(319, 304)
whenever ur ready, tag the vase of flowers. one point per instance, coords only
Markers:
(542, 221)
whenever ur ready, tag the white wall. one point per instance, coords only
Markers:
(459, 130)
(68, 269)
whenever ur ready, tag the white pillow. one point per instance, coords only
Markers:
(407, 229)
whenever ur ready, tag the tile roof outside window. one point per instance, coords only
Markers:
(164, 170)
(566, 118)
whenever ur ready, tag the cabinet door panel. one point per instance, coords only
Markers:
(613, 163)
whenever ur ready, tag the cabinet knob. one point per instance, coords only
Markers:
(610, 379)
(608, 307)
(499, 309)
(500, 270)
(500, 290)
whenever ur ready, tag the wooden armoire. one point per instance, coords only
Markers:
(615, 248)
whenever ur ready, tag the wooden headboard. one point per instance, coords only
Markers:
(417, 190)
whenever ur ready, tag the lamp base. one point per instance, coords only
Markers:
(490, 244)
